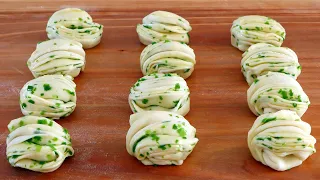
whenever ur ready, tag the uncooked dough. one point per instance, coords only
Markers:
(52, 96)
(75, 24)
(163, 25)
(252, 29)
(38, 144)
(168, 57)
(160, 138)
(160, 92)
(281, 140)
(276, 91)
(262, 58)
(57, 56)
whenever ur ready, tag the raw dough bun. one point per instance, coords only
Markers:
(38, 144)
(281, 140)
(75, 24)
(252, 29)
(162, 25)
(168, 57)
(160, 138)
(276, 91)
(262, 58)
(52, 96)
(160, 92)
(57, 56)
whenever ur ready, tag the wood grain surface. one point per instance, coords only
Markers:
(219, 109)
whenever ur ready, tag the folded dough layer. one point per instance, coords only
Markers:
(160, 92)
(38, 144)
(168, 57)
(75, 24)
(276, 91)
(51, 96)
(162, 25)
(252, 29)
(57, 56)
(160, 138)
(262, 58)
(281, 140)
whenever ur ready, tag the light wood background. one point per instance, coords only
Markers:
(218, 91)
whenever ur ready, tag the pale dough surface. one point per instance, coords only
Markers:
(276, 91)
(57, 56)
(74, 24)
(163, 25)
(160, 138)
(281, 140)
(262, 58)
(160, 92)
(38, 144)
(168, 57)
(52, 96)
(252, 29)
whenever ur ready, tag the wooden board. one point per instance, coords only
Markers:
(218, 90)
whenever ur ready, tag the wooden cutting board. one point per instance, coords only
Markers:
(219, 109)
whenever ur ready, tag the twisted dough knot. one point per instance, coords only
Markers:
(168, 57)
(281, 140)
(57, 56)
(249, 30)
(51, 96)
(75, 24)
(262, 58)
(38, 144)
(276, 91)
(160, 138)
(160, 92)
(162, 25)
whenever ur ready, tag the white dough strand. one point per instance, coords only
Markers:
(161, 25)
(262, 58)
(38, 144)
(160, 138)
(52, 96)
(168, 57)
(252, 29)
(57, 56)
(160, 92)
(276, 91)
(74, 24)
(281, 140)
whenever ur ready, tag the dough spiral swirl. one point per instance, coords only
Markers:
(168, 57)
(75, 24)
(57, 56)
(276, 91)
(281, 140)
(52, 96)
(160, 138)
(163, 25)
(160, 92)
(252, 29)
(262, 58)
(38, 144)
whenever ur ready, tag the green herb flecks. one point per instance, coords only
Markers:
(42, 121)
(31, 101)
(32, 89)
(145, 101)
(266, 120)
(70, 92)
(146, 26)
(23, 105)
(269, 147)
(177, 87)
(47, 87)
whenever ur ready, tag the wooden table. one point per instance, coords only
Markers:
(218, 90)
